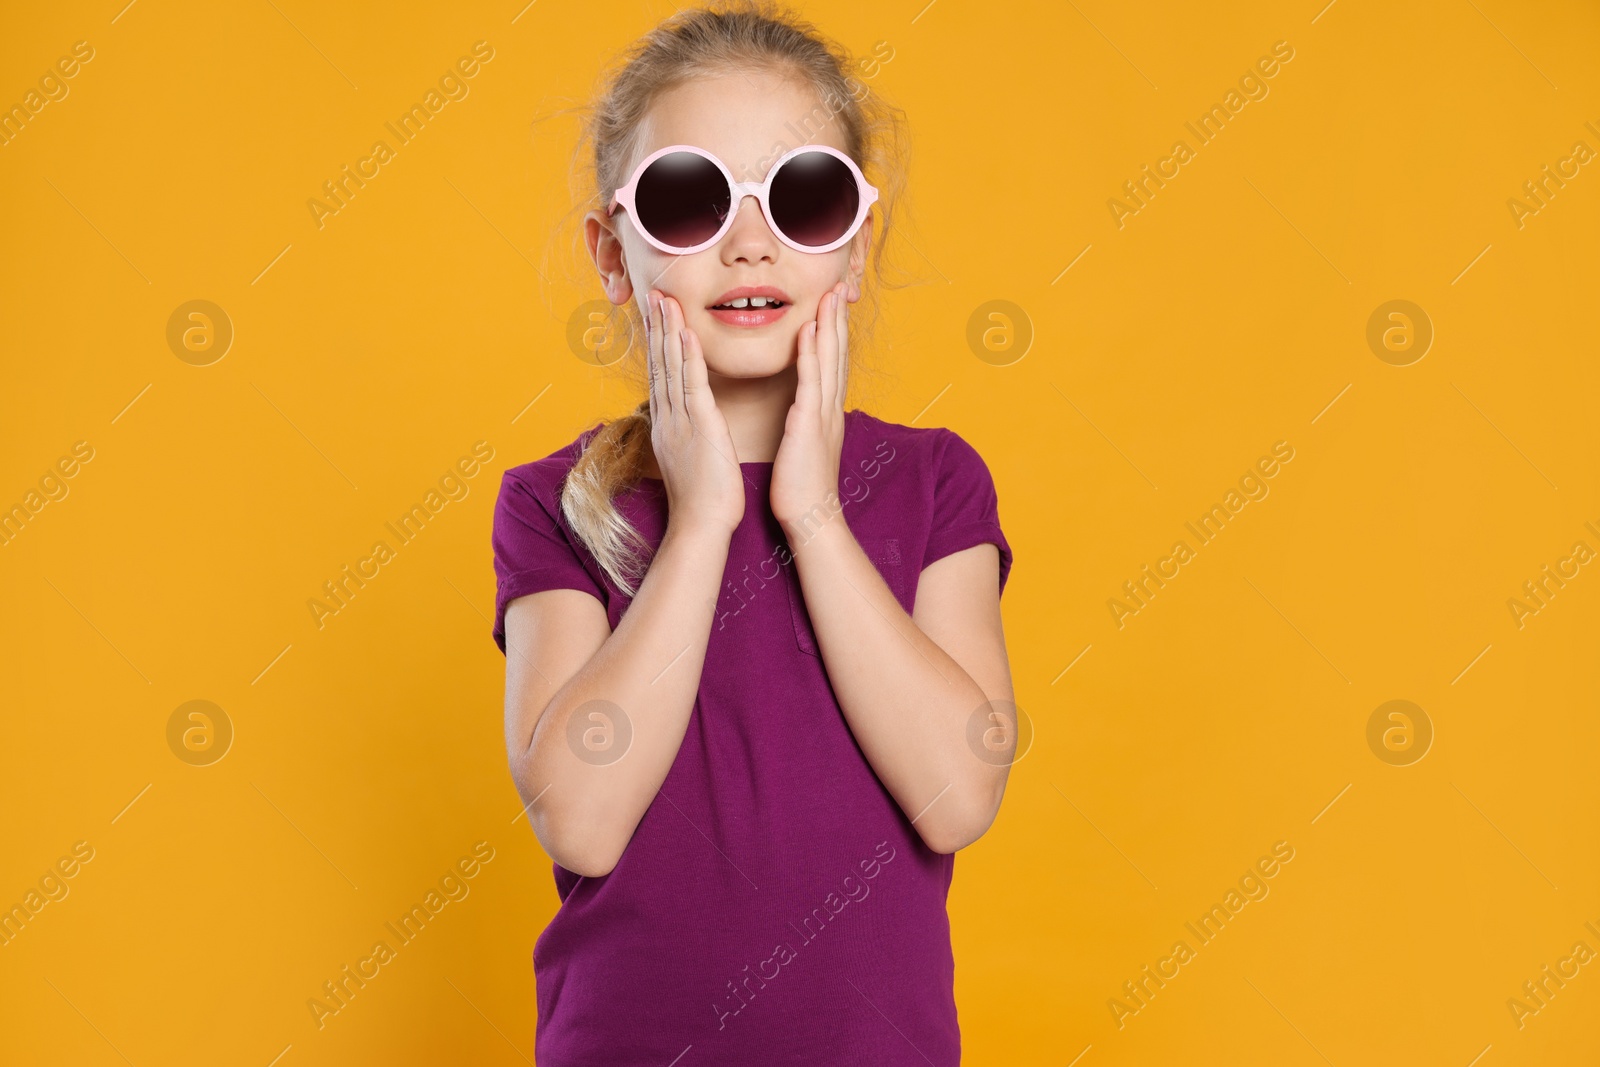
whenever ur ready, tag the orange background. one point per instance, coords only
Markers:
(1230, 713)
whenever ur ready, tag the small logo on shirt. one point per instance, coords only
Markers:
(886, 552)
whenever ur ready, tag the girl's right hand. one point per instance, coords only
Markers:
(693, 448)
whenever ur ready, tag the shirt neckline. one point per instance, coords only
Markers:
(849, 421)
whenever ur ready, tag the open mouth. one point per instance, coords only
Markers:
(751, 306)
(749, 302)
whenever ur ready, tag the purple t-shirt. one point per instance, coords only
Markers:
(774, 905)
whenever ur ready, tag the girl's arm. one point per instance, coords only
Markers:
(585, 800)
(913, 686)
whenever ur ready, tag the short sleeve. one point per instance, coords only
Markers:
(532, 552)
(966, 508)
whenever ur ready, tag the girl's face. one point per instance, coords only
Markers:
(747, 120)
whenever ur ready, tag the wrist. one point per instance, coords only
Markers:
(694, 530)
(816, 528)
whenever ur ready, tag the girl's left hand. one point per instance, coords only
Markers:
(805, 472)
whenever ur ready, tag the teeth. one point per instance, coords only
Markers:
(753, 302)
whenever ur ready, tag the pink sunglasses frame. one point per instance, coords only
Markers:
(867, 196)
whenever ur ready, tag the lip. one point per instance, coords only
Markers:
(750, 317)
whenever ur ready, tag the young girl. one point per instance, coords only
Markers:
(757, 692)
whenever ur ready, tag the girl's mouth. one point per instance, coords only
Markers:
(749, 311)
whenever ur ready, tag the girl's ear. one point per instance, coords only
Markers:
(605, 248)
(860, 245)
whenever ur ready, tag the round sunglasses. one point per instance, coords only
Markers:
(682, 198)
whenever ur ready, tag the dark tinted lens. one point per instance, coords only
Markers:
(814, 199)
(681, 199)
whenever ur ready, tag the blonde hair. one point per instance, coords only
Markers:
(743, 35)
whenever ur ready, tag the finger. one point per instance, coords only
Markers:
(650, 335)
(658, 345)
(696, 381)
(698, 399)
(843, 377)
(808, 392)
(674, 349)
(827, 347)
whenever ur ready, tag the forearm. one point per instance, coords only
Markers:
(598, 774)
(907, 702)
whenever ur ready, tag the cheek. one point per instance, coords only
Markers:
(646, 266)
(683, 278)
(818, 275)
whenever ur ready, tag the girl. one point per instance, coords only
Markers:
(757, 692)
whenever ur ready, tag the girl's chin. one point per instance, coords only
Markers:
(750, 365)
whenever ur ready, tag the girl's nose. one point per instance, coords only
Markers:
(749, 238)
